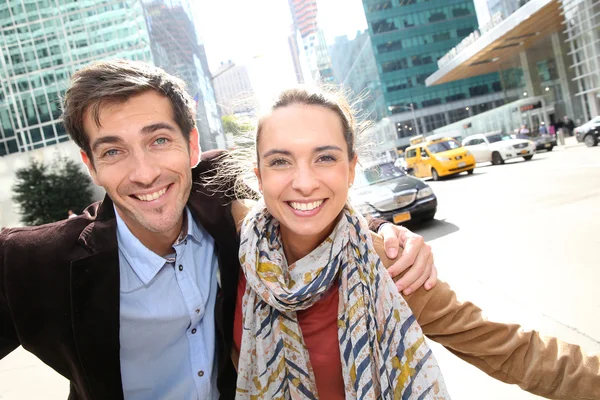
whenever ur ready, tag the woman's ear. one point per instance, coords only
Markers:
(352, 173)
(257, 173)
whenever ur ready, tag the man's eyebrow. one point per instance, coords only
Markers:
(155, 127)
(277, 151)
(105, 139)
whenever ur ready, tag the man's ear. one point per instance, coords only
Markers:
(257, 173)
(90, 166)
(194, 148)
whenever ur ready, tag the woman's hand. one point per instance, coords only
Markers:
(415, 261)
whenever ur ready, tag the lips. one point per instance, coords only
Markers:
(305, 206)
(151, 196)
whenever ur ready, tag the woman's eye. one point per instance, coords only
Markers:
(278, 162)
(326, 158)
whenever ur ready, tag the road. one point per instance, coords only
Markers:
(520, 240)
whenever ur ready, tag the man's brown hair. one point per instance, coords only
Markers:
(114, 82)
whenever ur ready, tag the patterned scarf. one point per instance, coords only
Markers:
(383, 352)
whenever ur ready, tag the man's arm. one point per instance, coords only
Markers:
(415, 257)
(547, 367)
(8, 336)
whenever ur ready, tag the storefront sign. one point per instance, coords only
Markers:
(533, 106)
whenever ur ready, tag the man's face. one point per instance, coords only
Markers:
(143, 161)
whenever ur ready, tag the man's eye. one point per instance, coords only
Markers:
(161, 140)
(111, 152)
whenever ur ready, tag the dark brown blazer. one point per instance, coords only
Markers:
(59, 292)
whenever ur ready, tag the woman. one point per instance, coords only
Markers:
(317, 315)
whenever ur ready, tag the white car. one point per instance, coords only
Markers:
(498, 147)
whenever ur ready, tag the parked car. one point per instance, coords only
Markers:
(385, 191)
(542, 141)
(438, 158)
(498, 147)
(589, 132)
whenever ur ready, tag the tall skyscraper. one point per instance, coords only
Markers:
(234, 92)
(175, 48)
(355, 68)
(43, 42)
(304, 15)
(408, 38)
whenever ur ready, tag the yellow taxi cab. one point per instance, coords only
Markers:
(438, 158)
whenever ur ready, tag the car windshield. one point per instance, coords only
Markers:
(377, 173)
(443, 146)
(498, 137)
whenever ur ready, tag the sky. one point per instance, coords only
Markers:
(255, 33)
(239, 30)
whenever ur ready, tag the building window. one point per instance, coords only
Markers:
(437, 16)
(460, 12)
(479, 90)
(432, 102)
(394, 65)
(457, 115)
(434, 121)
(440, 37)
(382, 5)
(389, 46)
(464, 32)
(455, 97)
(385, 25)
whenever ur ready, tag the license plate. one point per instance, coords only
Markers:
(524, 151)
(461, 164)
(401, 217)
(548, 145)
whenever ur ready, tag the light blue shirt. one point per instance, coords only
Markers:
(167, 332)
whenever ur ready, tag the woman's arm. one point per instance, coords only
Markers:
(546, 366)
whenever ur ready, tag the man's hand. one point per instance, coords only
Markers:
(416, 257)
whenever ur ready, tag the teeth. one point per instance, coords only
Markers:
(305, 206)
(151, 196)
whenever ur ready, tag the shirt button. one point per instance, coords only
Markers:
(181, 267)
(194, 331)
(201, 373)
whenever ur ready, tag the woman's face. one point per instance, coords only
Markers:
(304, 170)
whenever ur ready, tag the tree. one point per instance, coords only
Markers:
(45, 193)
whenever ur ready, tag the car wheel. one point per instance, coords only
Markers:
(428, 217)
(590, 140)
(497, 158)
(550, 148)
(527, 158)
(470, 172)
(435, 175)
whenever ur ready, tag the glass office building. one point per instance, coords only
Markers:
(408, 38)
(42, 42)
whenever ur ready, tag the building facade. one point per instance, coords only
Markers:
(355, 69)
(408, 38)
(176, 49)
(546, 51)
(42, 43)
(304, 16)
(234, 92)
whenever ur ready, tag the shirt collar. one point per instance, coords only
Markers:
(143, 261)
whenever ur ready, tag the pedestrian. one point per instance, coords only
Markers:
(568, 125)
(135, 299)
(315, 304)
(524, 130)
(542, 129)
(71, 214)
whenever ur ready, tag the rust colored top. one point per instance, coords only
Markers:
(319, 330)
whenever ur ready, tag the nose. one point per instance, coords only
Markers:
(305, 180)
(144, 169)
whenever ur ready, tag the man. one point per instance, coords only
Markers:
(135, 298)
(71, 214)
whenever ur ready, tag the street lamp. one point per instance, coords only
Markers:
(412, 109)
